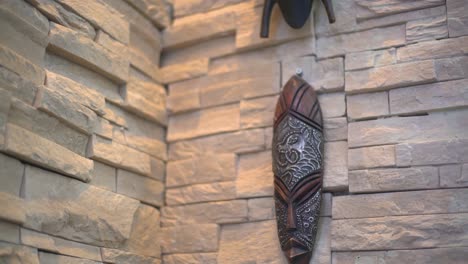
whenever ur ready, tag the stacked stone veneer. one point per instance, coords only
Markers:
(82, 131)
(393, 83)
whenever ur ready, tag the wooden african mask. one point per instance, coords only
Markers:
(298, 168)
(295, 12)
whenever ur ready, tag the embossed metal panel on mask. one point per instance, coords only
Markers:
(297, 165)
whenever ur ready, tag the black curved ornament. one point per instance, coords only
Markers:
(298, 168)
(295, 12)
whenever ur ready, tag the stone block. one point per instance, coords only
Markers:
(371, 157)
(367, 105)
(103, 128)
(59, 259)
(148, 100)
(182, 98)
(400, 203)
(257, 112)
(255, 175)
(324, 75)
(332, 104)
(457, 18)
(11, 175)
(400, 232)
(21, 66)
(157, 10)
(110, 255)
(384, 180)
(146, 43)
(201, 193)
(433, 49)
(105, 40)
(30, 17)
(451, 68)
(370, 9)
(261, 209)
(70, 209)
(370, 59)
(183, 71)
(454, 175)
(101, 16)
(78, 47)
(432, 153)
(335, 129)
(259, 237)
(384, 78)
(5, 104)
(140, 188)
(360, 41)
(190, 7)
(236, 142)
(322, 251)
(70, 112)
(12, 253)
(12, 208)
(58, 14)
(223, 212)
(158, 170)
(58, 245)
(195, 258)
(145, 237)
(335, 173)
(204, 122)
(37, 150)
(17, 86)
(104, 177)
(435, 126)
(326, 205)
(190, 238)
(437, 96)
(9, 233)
(427, 29)
(119, 155)
(202, 169)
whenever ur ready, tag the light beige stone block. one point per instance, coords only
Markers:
(146, 235)
(367, 105)
(12, 208)
(9, 233)
(12, 253)
(255, 175)
(453, 176)
(400, 232)
(147, 99)
(183, 98)
(457, 18)
(223, 212)
(104, 176)
(370, 59)
(451, 68)
(17, 86)
(118, 256)
(257, 112)
(335, 174)
(432, 153)
(183, 71)
(60, 259)
(157, 10)
(384, 180)
(190, 7)
(11, 175)
(427, 29)
(433, 49)
(371, 157)
(67, 208)
(195, 258)
(400, 203)
(335, 129)
(322, 252)
(204, 122)
(384, 78)
(332, 104)
(370, 9)
(40, 151)
(197, 193)
(140, 188)
(190, 238)
(21, 66)
(202, 169)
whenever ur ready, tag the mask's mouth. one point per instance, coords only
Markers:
(294, 248)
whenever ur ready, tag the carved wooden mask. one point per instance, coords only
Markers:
(298, 168)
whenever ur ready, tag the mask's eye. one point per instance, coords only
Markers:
(308, 189)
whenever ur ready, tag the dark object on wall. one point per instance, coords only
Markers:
(295, 12)
(297, 166)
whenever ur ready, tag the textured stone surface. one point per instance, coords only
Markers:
(369, 59)
(322, 252)
(145, 237)
(180, 72)
(433, 49)
(71, 209)
(11, 253)
(42, 152)
(457, 18)
(259, 237)
(11, 175)
(223, 212)
(9, 233)
(255, 176)
(383, 180)
(332, 104)
(428, 97)
(451, 68)
(454, 175)
(335, 129)
(117, 256)
(456, 255)
(369, 9)
(261, 209)
(139, 187)
(257, 112)
(201, 193)
(190, 238)
(189, 7)
(324, 75)
(156, 10)
(21, 66)
(237, 142)
(335, 175)
(202, 169)
(196, 258)
(367, 105)
(435, 126)
(432, 153)
(427, 29)
(400, 203)
(12, 208)
(147, 99)
(18, 87)
(407, 232)
(371, 157)
(384, 78)
(59, 259)
(4, 110)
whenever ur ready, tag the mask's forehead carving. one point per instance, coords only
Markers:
(297, 151)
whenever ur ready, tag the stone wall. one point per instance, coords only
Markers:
(82, 131)
(393, 83)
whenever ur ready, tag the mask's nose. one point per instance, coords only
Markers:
(291, 223)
